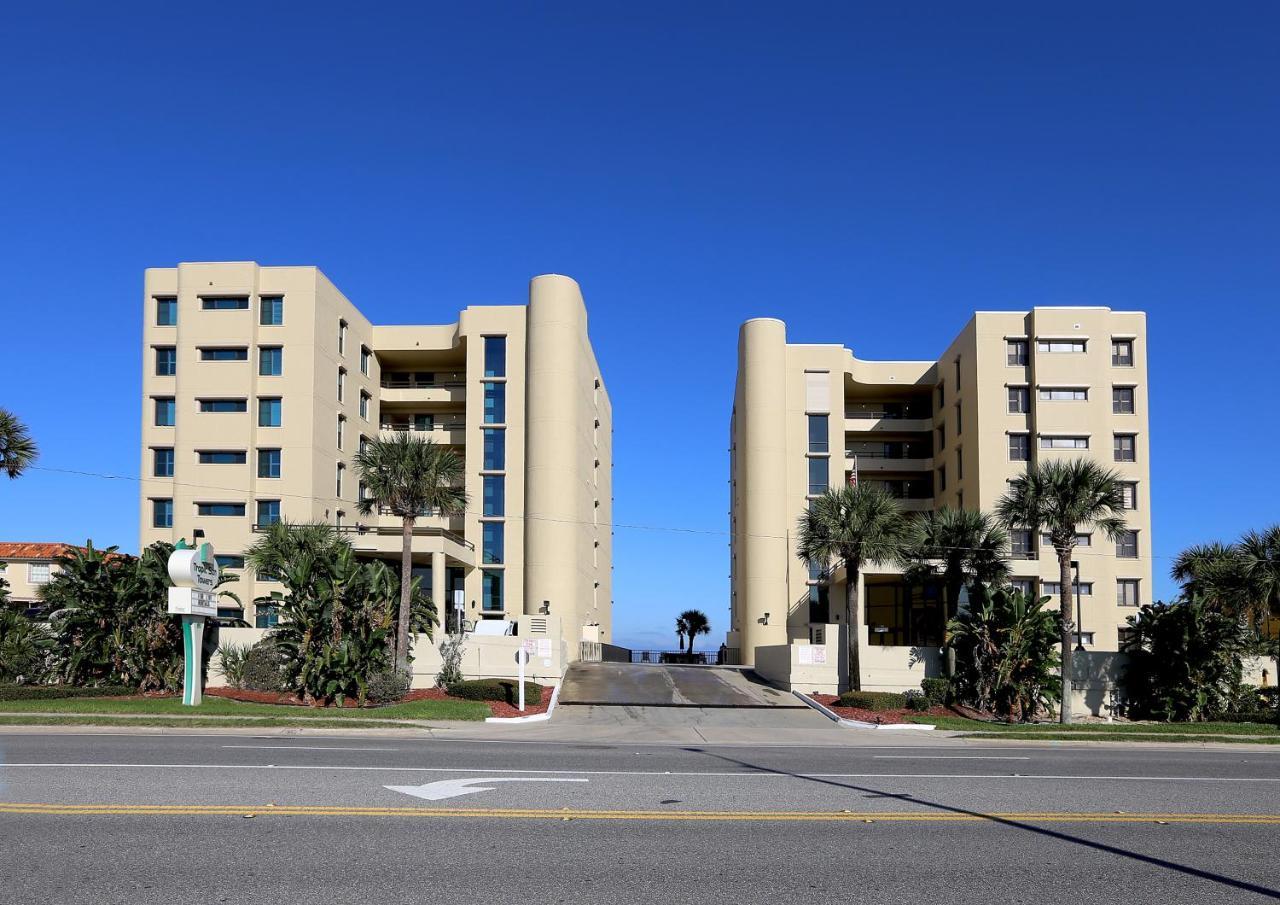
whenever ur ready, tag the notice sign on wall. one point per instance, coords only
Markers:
(811, 654)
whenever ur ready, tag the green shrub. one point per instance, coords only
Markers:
(386, 687)
(937, 690)
(875, 701)
(232, 658)
(916, 700)
(496, 690)
(54, 692)
(263, 668)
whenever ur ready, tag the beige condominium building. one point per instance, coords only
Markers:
(1014, 388)
(260, 385)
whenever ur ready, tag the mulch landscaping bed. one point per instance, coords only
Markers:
(497, 708)
(879, 716)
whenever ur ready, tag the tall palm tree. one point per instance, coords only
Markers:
(1260, 551)
(852, 526)
(412, 477)
(17, 449)
(680, 630)
(1217, 575)
(695, 623)
(1061, 497)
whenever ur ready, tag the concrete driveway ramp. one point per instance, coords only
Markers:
(647, 685)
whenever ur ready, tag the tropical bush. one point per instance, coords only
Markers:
(26, 648)
(387, 687)
(496, 690)
(262, 668)
(56, 692)
(937, 690)
(877, 701)
(450, 674)
(1185, 661)
(231, 660)
(916, 700)
(1005, 654)
(1240, 579)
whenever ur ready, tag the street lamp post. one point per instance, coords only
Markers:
(1075, 565)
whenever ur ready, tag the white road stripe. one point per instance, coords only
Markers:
(763, 774)
(945, 757)
(305, 748)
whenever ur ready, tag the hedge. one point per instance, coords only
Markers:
(872, 700)
(10, 692)
(496, 690)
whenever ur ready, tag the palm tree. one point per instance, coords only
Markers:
(1059, 498)
(680, 630)
(17, 449)
(695, 623)
(411, 477)
(852, 526)
(1215, 574)
(1260, 551)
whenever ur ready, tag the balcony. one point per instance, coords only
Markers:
(914, 495)
(423, 386)
(891, 456)
(447, 430)
(900, 417)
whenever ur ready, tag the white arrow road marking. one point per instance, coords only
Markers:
(452, 788)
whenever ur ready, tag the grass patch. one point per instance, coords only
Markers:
(1129, 737)
(1103, 730)
(197, 722)
(223, 707)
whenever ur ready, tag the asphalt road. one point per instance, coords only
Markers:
(107, 818)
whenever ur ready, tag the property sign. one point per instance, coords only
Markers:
(195, 574)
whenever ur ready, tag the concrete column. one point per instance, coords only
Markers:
(762, 492)
(438, 594)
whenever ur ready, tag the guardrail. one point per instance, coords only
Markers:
(436, 381)
(726, 656)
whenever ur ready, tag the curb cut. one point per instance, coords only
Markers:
(860, 724)
(533, 718)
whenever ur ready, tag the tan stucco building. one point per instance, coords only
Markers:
(1013, 388)
(260, 384)
(27, 567)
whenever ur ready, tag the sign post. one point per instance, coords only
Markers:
(522, 657)
(194, 573)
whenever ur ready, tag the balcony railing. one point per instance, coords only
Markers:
(403, 426)
(889, 451)
(876, 411)
(423, 380)
(904, 490)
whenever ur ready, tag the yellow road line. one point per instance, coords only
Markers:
(260, 810)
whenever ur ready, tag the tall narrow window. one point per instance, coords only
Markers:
(337, 483)
(493, 500)
(271, 311)
(166, 411)
(491, 590)
(342, 429)
(491, 542)
(957, 373)
(1019, 400)
(495, 403)
(818, 475)
(959, 465)
(342, 337)
(364, 405)
(270, 361)
(166, 312)
(268, 412)
(162, 462)
(162, 513)
(818, 442)
(1019, 448)
(942, 437)
(268, 512)
(959, 419)
(342, 384)
(365, 355)
(942, 478)
(1129, 495)
(495, 449)
(268, 463)
(1016, 352)
(495, 356)
(166, 361)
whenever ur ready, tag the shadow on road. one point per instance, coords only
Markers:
(1015, 824)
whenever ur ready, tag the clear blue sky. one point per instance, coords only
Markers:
(870, 175)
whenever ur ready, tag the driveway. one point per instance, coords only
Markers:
(652, 685)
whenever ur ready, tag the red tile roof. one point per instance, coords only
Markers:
(11, 550)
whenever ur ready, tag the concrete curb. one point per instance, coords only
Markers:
(859, 724)
(533, 718)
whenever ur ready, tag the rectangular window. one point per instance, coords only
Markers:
(1122, 353)
(271, 311)
(363, 444)
(337, 482)
(424, 422)
(1128, 495)
(268, 512)
(1054, 588)
(162, 462)
(270, 361)
(818, 442)
(342, 337)
(166, 411)
(269, 412)
(268, 463)
(1083, 638)
(365, 355)
(1125, 447)
(1019, 448)
(495, 356)
(162, 513)
(1064, 442)
(495, 403)
(166, 312)
(342, 430)
(959, 419)
(491, 540)
(265, 615)
(38, 573)
(1126, 592)
(942, 478)
(238, 353)
(364, 405)
(818, 475)
(342, 384)
(942, 395)
(1016, 352)
(1125, 637)
(1122, 400)
(229, 561)
(1019, 400)
(493, 496)
(957, 373)
(225, 302)
(221, 456)
(491, 591)
(1060, 345)
(1082, 540)
(166, 361)
(959, 465)
(220, 509)
(942, 438)
(1063, 394)
(1024, 586)
(223, 406)
(1021, 545)
(1127, 545)
(495, 449)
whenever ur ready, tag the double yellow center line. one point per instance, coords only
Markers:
(260, 810)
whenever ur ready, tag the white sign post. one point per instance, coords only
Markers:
(522, 657)
(194, 573)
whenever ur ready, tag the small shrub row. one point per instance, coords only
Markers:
(916, 700)
(262, 667)
(10, 692)
(874, 701)
(386, 687)
(496, 690)
(937, 690)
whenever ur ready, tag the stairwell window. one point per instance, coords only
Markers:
(818, 442)
(1127, 545)
(1129, 495)
(162, 462)
(1127, 592)
(271, 311)
(1019, 400)
(1122, 400)
(1122, 353)
(162, 513)
(495, 403)
(270, 361)
(1125, 448)
(269, 412)
(166, 361)
(166, 411)
(1019, 448)
(342, 337)
(495, 356)
(1016, 352)
(166, 311)
(818, 475)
